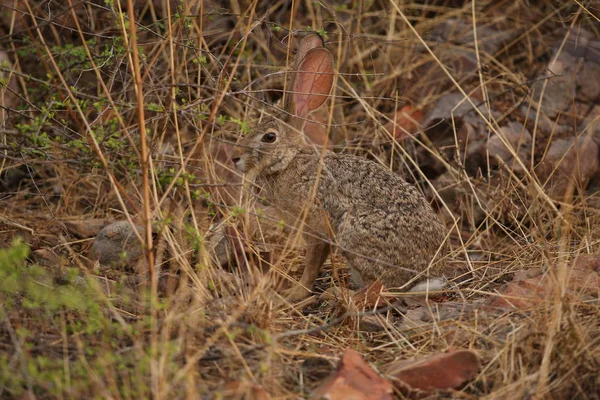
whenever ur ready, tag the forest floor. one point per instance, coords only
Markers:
(490, 108)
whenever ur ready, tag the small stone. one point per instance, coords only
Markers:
(518, 138)
(566, 160)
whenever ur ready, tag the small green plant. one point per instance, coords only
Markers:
(321, 32)
(237, 211)
(73, 309)
(242, 124)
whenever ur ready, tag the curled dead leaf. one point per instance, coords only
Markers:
(405, 122)
(241, 390)
(354, 379)
(527, 291)
(448, 370)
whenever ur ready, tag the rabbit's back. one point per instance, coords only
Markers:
(388, 223)
(377, 218)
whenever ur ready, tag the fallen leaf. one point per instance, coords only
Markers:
(556, 92)
(369, 297)
(242, 390)
(449, 370)
(85, 228)
(527, 291)
(521, 294)
(453, 125)
(405, 122)
(354, 379)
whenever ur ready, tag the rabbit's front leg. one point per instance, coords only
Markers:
(316, 254)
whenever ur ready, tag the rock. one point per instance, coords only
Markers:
(568, 159)
(460, 32)
(544, 123)
(588, 82)
(559, 86)
(12, 177)
(518, 138)
(445, 371)
(117, 244)
(453, 105)
(572, 74)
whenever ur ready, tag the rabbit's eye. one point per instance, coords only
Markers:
(269, 137)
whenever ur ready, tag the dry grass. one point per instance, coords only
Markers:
(90, 97)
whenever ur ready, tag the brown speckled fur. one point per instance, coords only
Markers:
(383, 226)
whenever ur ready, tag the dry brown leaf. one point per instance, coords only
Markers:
(85, 228)
(405, 122)
(354, 379)
(241, 390)
(584, 275)
(449, 370)
(522, 294)
(527, 291)
(369, 297)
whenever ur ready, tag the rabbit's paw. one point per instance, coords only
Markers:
(296, 293)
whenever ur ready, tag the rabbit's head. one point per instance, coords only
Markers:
(268, 148)
(274, 143)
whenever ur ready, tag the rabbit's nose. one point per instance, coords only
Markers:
(235, 160)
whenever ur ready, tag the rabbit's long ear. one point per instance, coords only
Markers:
(308, 42)
(313, 82)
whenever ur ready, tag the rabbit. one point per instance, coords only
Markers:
(384, 227)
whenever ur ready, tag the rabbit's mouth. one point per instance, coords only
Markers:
(240, 164)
